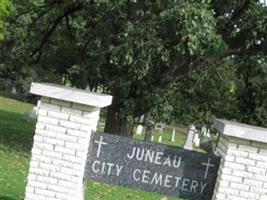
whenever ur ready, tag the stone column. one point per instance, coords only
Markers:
(243, 170)
(66, 119)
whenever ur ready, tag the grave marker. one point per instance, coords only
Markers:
(151, 167)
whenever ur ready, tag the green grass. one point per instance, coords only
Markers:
(16, 135)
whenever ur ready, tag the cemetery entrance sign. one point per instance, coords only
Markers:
(151, 167)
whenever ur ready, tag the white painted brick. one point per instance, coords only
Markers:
(265, 185)
(259, 144)
(60, 102)
(75, 146)
(245, 161)
(62, 163)
(29, 189)
(253, 182)
(247, 148)
(39, 171)
(242, 174)
(45, 133)
(53, 141)
(67, 184)
(82, 107)
(78, 133)
(40, 125)
(58, 115)
(43, 146)
(41, 159)
(31, 177)
(256, 170)
(71, 111)
(65, 137)
(258, 157)
(32, 196)
(48, 120)
(52, 154)
(229, 158)
(34, 164)
(48, 180)
(231, 178)
(48, 106)
(69, 124)
(57, 188)
(226, 170)
(88, 129)
(263, 151)
(239, 186)
(36, 151)
(38, 138)
(72, 172)
(249, 195)
(90, 115)
(78, 166)
(62, 196)
(42, 112)
(43, 192)
(258, 190)
(61, 176)
(228, 191)
(234, 165)
(238, 140)
(237, 153)
(64, 150)
(230, 197)
(263, 197)
(259, 177)
(81, 154)
(50, 167)
(73, 159)
(56, 129)
(224, 183)
(36, 184)
(80, 120)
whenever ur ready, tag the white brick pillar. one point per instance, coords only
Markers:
(66, 119)
(243, 170)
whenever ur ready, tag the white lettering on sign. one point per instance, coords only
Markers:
(185, 184)
(106, 168)
(208, 165)
(100, 143)
(154, 157)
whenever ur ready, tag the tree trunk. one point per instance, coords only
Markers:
(149, 127)
(117, 124)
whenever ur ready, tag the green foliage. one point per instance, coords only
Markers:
(5, 8)
(136, 50)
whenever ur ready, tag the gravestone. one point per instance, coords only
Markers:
(189, 140)
(151, 167)
(140, 127)
(173, 135)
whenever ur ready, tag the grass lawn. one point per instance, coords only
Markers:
(16, 136)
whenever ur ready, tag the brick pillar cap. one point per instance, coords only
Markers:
(240, 130)
(71, 94)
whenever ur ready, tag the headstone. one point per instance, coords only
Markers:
(159, 126)
(190, 135)
(152, 138)
(173, 135)
(139, 130)
(160, 138)
(151, 167)
(196, 140)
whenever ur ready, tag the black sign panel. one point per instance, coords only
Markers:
(151, 167)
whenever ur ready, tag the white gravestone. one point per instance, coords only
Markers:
(196, 140)
(173, 135)
(66, 119)
(140, 127)
(189, 140)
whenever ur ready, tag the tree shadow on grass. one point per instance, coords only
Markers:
(6, 198)
(15, 132)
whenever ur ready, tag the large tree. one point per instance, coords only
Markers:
(135, 50)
